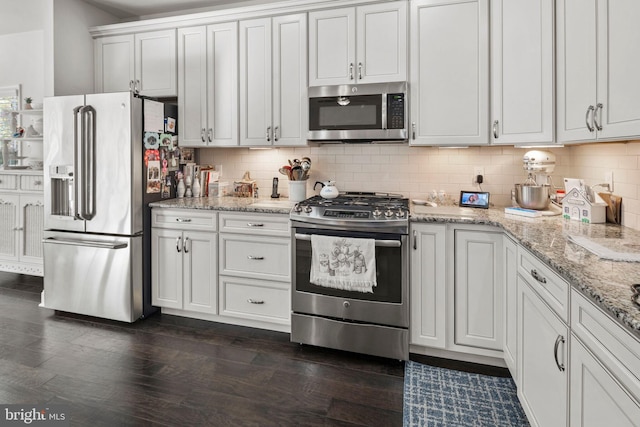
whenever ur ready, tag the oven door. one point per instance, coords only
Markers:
(387, 305)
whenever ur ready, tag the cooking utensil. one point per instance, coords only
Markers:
(532, 196)
(297, 173)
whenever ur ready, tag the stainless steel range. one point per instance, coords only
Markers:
(334, 303)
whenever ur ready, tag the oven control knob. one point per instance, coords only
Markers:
(346, 304)
(297, 208)
(400, 213)
(307, 209)
(377, 212)
(389, 213)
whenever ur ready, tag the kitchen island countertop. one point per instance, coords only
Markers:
(605, 282)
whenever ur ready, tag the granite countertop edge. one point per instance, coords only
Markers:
(606, 283)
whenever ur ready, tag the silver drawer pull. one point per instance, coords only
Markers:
(183, 219)
(254, 224)
(538, 277)
(255, 301)
(37, 182)
(18, 228)
(258, 258)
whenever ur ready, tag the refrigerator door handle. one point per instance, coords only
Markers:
(77, 153)
(88, 243)
(87, 162)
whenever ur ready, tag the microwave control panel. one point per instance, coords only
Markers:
(395, 111)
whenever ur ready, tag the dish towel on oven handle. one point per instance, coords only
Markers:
(343, 263)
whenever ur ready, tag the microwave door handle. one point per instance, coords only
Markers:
(385, 98)
(78, 131)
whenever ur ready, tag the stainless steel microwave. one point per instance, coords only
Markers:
(374, 112)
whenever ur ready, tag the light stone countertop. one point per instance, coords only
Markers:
(606, 283)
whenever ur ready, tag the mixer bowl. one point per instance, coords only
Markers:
(532, 196)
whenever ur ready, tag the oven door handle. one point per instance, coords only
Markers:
(383, 243)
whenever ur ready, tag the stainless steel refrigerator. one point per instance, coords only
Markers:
(96, 239)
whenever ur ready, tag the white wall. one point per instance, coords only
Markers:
(22, 62)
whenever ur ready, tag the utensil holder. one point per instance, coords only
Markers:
(297, 190)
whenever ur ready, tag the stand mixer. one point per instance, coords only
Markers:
(534, 193)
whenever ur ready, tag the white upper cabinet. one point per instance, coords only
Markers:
(273, 82)
(144, 62)
(367, 44)
(208, 85)
(522, 102)
(449, 78)
(598, 88)
(114, 63)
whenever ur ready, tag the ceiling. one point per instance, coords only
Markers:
(128, 9)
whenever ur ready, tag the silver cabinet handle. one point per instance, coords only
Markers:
(185, 247)
(537, 276)
(88, 243)
(183, 219)
(255, 301)
(202, 133)
(178, 245)
(586, 117)
(210, 134)
(275, 134)
(350, 70)
(595, 115)
(495, 129)
(413, 130)
(268, 133)
(559, 340)
(18, 228)
(35, 182)
(360, 70)
(415, 240)
(256, 258)
(255, 224)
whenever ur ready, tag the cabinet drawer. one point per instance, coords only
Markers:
(8, 182)
(184, 219)
(256, 225)
(551, 287)
(255, 256)
(616, 348)
(32, 183)
(255, 299)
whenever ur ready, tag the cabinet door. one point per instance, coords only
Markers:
(522, 71)
(192, 86)
(597, 398)
(166, 268)
(9, 224)
(478, 289)
(332, 47)
(290, 106)
(255, 82)
(155, 68)
(381, 43)
(510, 298)
(428, 286)
(222, 84)
(576, 69)
(200, 272)
(618, 61)
(32, 228)
(542, 353)
(114, 63)
(449, 72)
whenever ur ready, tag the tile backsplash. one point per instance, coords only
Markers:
(417, 171)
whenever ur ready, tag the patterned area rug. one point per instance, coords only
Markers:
(443, 397)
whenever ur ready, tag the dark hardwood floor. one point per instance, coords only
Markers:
(172, 371)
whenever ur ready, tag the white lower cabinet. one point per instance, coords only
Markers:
(255, 269)
(510, 306)
(543, 340)
(428, 285)
(184, 270)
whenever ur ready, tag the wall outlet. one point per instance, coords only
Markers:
(477, 170)
(608, 179)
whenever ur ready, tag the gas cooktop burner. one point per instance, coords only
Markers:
(360, 210)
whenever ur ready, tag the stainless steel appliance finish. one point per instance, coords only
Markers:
(93, 258)
(371, 323)
(359, 113)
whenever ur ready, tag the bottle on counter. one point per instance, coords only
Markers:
(181, 188)
(196, 187)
